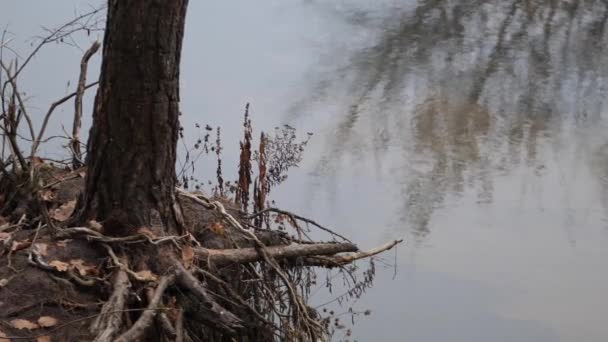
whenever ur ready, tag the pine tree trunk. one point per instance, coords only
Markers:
(132, 144)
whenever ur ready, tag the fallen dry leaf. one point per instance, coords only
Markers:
(24, 324)
(47, 195)
(146, 276)
(59, 265)
(19, 245)
(82, 268)
(172, 309)
(96, 226)
(3, 337)
(218, 228)
(47, 321)
(82, 173)
(42, 248)
(147, 232)
(3, 282)
(187, 255)
(65, 211)
(63, 243)
(4, 236)
(45, 338)
(37, 161)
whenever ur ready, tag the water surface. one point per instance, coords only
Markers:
(476, 129)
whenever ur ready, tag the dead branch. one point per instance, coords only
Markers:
(223, 257)
(13, 83)
(48, 116)
(345, 259)
(147, 317)
(75, 143)
(10, 120)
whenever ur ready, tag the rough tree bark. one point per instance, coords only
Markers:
(132, 143)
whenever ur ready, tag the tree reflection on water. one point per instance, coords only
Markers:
(465, 90)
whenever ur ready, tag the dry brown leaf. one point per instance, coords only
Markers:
(82, 268)
(47, 321)
(63, 243)
(172, 310)
(147, 232)
(146, 275)
(42, 248)
(82, 173)
(47, 195)
(3, 282)
(19, 245)
(59, 265)
(37, 161)
(3, 337)
(24, 324)
(96, 226)
(187, 255)
(218, 228)
(65, 211)
(45, 338)
(4, 236)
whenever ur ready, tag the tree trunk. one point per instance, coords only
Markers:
(132, 144)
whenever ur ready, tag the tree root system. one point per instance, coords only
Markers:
(223, 279)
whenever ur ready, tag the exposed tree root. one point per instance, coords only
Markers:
(253, 286)
(109, 322)
(211, 311)
(138, 329)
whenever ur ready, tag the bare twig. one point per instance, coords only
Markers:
(10, 120)
(75, 143)
(13, 83)
(216, 315)
(294, 216)
(58, 34)
(237, 297)
(48, 116)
